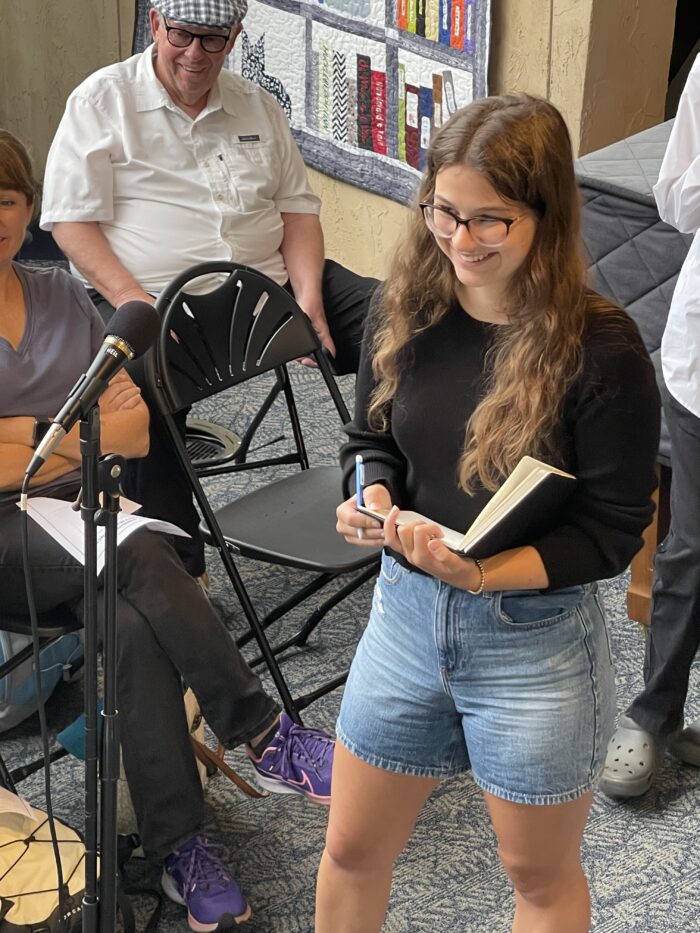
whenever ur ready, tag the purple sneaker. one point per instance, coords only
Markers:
(195, 876)
(297, 761)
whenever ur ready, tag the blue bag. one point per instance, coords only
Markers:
(59, 660)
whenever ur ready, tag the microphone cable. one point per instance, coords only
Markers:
(34, 620)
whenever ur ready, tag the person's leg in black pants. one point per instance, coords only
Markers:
(674, 633)
(57, 577)
(650, 723)
(346, 298)
(156, 480)
(167, 631)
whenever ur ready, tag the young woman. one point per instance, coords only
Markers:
(484, 346)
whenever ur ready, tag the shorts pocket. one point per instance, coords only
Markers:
(391, 570)
(534, 609)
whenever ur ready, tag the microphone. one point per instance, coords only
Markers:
(132, 330)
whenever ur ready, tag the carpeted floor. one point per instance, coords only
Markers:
(642, 859)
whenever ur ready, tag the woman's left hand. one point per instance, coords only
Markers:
(420, 544)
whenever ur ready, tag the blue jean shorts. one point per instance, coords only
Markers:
(517, 685)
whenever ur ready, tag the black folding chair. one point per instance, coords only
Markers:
(242, 328)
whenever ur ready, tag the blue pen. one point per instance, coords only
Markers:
(359, 480)
(359, 483)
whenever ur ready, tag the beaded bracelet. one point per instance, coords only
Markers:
(480, 591)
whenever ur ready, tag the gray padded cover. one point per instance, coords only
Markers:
(634, 258)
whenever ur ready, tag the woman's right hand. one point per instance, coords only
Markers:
(122, 394)
(360, 529)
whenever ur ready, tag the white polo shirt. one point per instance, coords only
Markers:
(677, 195)
(170, 191)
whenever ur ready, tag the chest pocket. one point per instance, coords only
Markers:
(248, 174)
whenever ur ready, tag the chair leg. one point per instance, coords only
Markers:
(308, 698)
(299, 640)
(213, 759)
(255, 423)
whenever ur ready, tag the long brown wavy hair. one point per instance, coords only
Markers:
(521, 145)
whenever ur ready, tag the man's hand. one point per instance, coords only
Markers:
(302, 251)
(132, 294)
(314, 311)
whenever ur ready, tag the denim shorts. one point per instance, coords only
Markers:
(517, 685)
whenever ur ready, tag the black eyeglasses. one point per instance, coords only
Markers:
(486, 231)
(181, 38)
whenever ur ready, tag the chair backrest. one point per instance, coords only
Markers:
(244, 326)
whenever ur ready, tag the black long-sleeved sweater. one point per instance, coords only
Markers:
(609, 440)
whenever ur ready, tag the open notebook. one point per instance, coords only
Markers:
(532, 489)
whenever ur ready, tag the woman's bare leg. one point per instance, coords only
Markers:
(372, 815)
(540, 848)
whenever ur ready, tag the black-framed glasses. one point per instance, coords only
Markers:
(181, 38)
(484, 230)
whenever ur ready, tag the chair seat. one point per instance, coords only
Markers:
(292, 522)
(56, 622)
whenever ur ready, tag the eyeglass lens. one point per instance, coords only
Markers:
(487, 231)
(181, 38)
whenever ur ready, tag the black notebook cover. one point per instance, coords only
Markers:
(524, 520)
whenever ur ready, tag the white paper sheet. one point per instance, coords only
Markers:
(64, 524)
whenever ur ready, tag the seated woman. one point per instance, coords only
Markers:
(167, 629)
(485, 346)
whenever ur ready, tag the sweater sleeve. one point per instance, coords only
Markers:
(614, 415)
(383, 461)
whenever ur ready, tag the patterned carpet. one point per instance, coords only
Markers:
(642, 859)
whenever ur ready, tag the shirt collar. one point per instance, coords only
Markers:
(151, 95)
(227, 96)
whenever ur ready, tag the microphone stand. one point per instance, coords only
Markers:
(100, 475)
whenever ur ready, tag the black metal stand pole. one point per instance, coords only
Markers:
(90, 451)
(100, 898)
(110, 471)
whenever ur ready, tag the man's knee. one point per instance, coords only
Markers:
(147, 553)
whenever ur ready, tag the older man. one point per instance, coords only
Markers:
(166, 160)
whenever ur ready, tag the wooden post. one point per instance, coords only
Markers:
(642, 567)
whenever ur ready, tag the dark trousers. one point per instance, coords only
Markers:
(167, 632)
(674, 633)
(158, 483)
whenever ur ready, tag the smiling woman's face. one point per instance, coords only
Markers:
(466, 193)
(15, 214)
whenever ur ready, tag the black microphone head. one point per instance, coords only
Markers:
(136, 323)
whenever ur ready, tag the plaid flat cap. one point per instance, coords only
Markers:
(222, 13)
